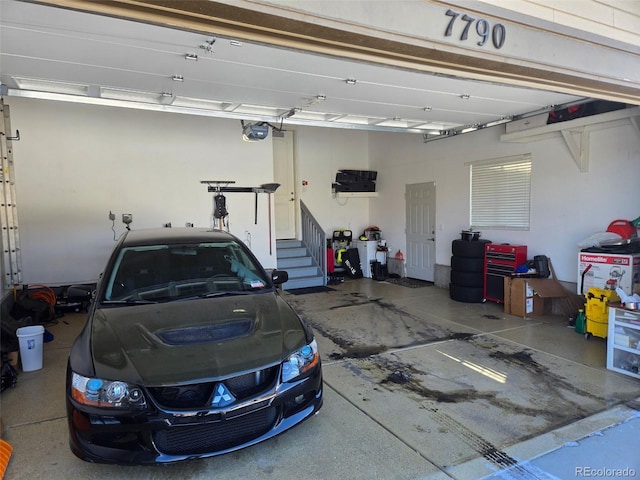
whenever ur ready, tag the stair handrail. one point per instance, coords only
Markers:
(315, 238)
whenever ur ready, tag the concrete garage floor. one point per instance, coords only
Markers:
(417, 386)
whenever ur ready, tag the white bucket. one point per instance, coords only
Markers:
(30, 339)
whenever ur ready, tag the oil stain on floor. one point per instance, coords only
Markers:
(474, 392)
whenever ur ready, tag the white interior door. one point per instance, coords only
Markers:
(421, 238)
(284, 198)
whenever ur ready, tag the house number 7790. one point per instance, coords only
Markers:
(497, 33)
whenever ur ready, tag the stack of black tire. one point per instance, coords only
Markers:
(467, 271)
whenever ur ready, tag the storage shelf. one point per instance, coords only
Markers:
(356, 194)
(576, 132)
(620, 358)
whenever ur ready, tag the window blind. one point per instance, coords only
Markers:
(501, 193)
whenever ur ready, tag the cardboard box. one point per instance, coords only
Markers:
(621, 269)
(530, 297)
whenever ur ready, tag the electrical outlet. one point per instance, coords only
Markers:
(112, 216)
(127, 218)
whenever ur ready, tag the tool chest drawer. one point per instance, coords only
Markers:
(500, 261)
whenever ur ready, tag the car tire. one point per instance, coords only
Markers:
(464, 264)
(468, 249)
(466, 294)
(467, 279)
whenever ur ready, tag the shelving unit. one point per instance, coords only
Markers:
(623, 345)
(576, 132)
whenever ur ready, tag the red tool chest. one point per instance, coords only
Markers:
(500, 261)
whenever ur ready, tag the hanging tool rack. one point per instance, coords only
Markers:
(225, 186)
(220, 213)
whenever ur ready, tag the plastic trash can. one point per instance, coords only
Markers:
(30, 339)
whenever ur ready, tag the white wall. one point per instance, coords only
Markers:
(75, 163)
(616, 19)
(320, 153)
(567, 206)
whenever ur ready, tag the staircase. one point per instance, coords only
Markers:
(294, 257)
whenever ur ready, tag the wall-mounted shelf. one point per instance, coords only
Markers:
(576, 132)
(356, 194)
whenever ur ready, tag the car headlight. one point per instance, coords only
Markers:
(106, 393)
(300, 362)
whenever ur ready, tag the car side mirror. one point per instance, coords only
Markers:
(278, 277)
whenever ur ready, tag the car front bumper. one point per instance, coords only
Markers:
(161, 436)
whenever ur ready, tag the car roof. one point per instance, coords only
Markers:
(154, 236)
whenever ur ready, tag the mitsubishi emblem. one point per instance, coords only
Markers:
(222, 396)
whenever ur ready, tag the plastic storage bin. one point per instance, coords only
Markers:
(30, 340)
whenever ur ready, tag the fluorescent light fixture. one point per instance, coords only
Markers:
(200, 103)
(358, 120)
(148, 101)
(258, 110)
(132, 95)
(393, 122)
(51, 86)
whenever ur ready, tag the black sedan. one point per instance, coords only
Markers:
(189, 351)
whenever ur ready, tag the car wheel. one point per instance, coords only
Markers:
(472, 249)
(467, 279)
(464, 264)
(466, 294)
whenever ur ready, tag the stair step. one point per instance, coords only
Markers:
(303, 282)
(284, 263)
(291, 252)
(288, 243)
(293, 257)
(297, 272)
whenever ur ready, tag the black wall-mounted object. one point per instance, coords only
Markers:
(355, 181)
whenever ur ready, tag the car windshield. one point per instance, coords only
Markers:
(159, 273)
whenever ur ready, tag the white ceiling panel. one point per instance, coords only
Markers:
(104, 54)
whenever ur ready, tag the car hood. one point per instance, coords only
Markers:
(194, 340)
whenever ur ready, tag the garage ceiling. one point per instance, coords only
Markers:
(57, 53)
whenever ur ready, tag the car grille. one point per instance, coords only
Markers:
(213, 437)
(198, 395)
